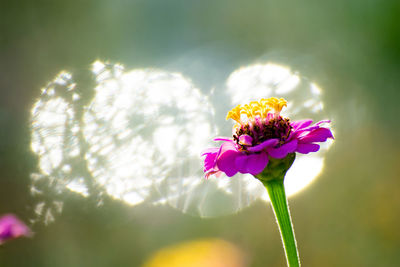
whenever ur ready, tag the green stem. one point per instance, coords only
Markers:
(276, 191)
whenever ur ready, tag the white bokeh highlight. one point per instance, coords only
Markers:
(142, 127)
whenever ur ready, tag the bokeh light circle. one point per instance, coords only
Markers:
(142, 128)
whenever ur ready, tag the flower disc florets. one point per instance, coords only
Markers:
(261, 131)
(257, 124)
(259, 135)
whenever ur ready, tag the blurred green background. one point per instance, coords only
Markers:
(351, 49)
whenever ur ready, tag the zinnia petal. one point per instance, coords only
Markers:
(323, 121)
(241, 163)
(263, 145)
(300, 124)
(245, 140)
(209, 161)
(318, 135)
(211, 172)
(256, 163)
(309, 128)
(283, 150)
(210, 150)
(253, 163)
(307, 148)
(226, 158)
(221, 138)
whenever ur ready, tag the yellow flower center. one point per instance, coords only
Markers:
(257, 108)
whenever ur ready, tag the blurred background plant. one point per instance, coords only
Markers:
(351, 49)
(12, 228)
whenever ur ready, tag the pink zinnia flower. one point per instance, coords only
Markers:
(11, 227)
(260, 135)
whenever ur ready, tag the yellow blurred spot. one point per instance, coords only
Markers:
(201, 253)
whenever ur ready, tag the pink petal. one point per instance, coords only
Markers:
(221, 138)
(211, 172)
(323, 121)
(226, 158)
(315, 126)
(210, 150)
(300, 124)
(209, 161)
(241, 163)
(283, 150)
(256, 163)
(253, 163)
(307, 148)
(245, 140)
(309, 128)
(263, 145)
(318, 135)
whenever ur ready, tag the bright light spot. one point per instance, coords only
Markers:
(78, 186)
(54, 140)
(261, 80)
(97, 67)
(48, 130)
(39, 208)
(144, 127)
(315, 89)
(303, 172)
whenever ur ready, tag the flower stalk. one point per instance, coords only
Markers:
(276, 192)
(272, 178)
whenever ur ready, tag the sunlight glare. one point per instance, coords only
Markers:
(143, 127)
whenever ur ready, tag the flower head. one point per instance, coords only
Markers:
(260, 135)
(11, 227)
